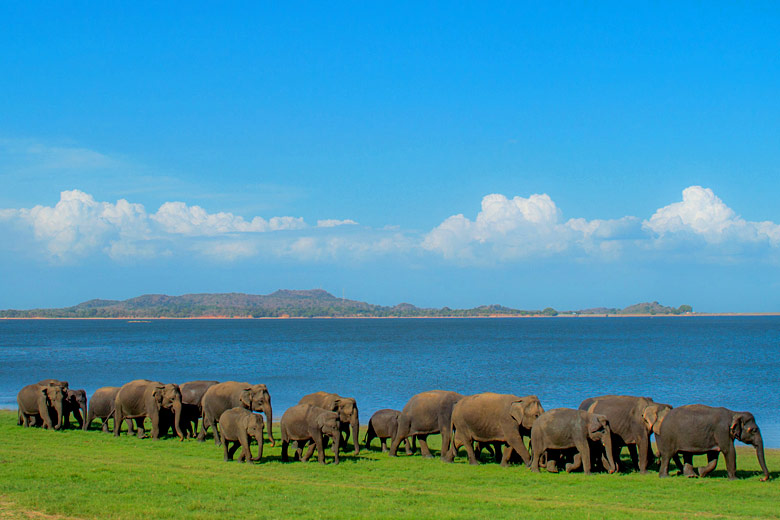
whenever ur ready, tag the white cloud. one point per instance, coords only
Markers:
(701, 214)
(178, 218)
(334, 223)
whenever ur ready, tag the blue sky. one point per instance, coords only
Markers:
(565, 155)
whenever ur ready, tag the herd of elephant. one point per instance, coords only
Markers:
(589, 438)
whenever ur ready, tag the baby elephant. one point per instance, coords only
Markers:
(306, 423)
(566, 428)
(238, 425)
(384, 425)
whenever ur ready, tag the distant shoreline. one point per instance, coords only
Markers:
(534, 316)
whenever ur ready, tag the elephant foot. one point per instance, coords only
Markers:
(689, 471)
(427, 456)
(551, 467)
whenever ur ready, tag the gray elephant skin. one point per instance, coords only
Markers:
(347, 409)
(239, 426)
(427, 413)
(566, 428)
(143, 398)
(495, 419)
(191, 406)
(43, 401)
(631, 420)
(76, 404)
(221, 397)
(383, 425)
(304, 423)
(700, 429)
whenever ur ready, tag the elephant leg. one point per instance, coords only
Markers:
(497, 455)
(575, 464)
(298, 448)
(426, 452)
(383, 443)
(105, 425)
(318, 440)
(634, 457)
(663, 469)
(309, 452)
(139, 427)
(228, 456)
(643, 446)
(410, 445)
(688, 469)
(246, 448)
(118, 420)
(469, 451)
(215, 432)
(712, 463)
(534, 462)
(517, 444)
(584, 452)
(285, 445)
(204, 427)
(446, 437)
(404, 427)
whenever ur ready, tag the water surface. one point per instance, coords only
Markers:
(720, 361)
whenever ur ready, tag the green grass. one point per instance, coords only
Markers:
(93, 475)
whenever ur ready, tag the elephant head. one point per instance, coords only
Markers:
(526, 411)
(169, 397)
(55, 396)
(260, 401)
(77, 400)
(255, 428)
(599, 431)
(744, 428)
(329, 425)
(653, 415)
(348, 413)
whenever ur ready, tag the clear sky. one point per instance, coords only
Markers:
(530, 154)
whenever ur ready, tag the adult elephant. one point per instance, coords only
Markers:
(44, 400)
(101, 406)
(143, 398)
(347, 409)
(631, 420)
(425, 414)
(698, 429)
(76, 404)
(223, 396)
(493, 418)
(191, 407)
(566, 428)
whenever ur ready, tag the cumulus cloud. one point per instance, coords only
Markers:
(703, 215)
(334, 223)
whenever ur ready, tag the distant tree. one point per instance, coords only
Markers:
(684, 308)
(549, 311)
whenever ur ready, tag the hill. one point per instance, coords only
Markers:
(288, 303)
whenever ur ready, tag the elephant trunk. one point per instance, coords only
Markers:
(269, 418)
(606, 441)
(83, 407)
(759, 445)
(336, 442)
(177, 418)
(355, 423)
(59, 408)
(259, 439)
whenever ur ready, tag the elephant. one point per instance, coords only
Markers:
(191, 407)
(76, 404)
(44, 400)
(493, 418)
(383, 425)
(566, 428)
(347, 410)
(223, 396)
(632, 420)
(143, 398)
(304, 423)
(101, 406)
(426, 413)
(697, 428)
(238, 425)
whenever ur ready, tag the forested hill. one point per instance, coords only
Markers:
(286, 303)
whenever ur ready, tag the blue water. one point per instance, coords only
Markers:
(723, 361)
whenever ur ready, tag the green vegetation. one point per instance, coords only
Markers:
(296, 304)
(93, 475)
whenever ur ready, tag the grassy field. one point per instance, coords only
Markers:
(75, 474)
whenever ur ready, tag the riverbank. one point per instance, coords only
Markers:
(75, 474)
(136, 319)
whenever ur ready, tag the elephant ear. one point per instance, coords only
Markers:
(246, 398)
(650, 416)
(517, 411)
(45, 393)
(157, 393)
(596, 422)
(735, 430)
(336, 404)
(321, 420)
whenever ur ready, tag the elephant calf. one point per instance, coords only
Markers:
(565, 428)
(383, 425)
(76, 404)
(697, 428)
(239, 425)
(306, 423)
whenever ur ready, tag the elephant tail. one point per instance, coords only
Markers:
(370, 433)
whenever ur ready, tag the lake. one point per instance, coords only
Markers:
(719, 361)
